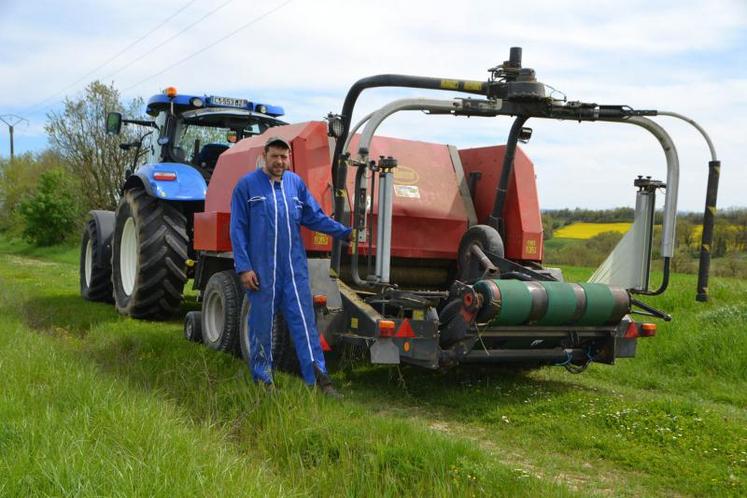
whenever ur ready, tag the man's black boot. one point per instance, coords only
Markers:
(325, 384)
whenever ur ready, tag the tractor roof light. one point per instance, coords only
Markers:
(170, 92)
(261, 108)
(196, 102)
(320, 300)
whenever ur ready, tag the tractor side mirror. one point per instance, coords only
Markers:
(114, 123)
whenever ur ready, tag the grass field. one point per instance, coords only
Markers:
(96, 404)
(588, 230)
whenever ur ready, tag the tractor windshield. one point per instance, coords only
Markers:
(217, 128)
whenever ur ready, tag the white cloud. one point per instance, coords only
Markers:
(683, 56)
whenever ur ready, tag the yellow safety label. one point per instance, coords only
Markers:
(531, 247)
(353, 323)
(321, 239)
(450, 84)
(472, 85)
(418, 314)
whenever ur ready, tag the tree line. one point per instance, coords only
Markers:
(45, 196)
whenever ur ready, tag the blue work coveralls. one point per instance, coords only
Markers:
(266, 217)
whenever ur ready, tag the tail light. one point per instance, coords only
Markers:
(648, 329)
(164, 176)
(386, 328)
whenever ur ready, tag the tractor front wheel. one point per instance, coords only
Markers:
(95, 257)
(149, 254)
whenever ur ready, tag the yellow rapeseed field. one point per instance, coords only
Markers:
(589, 230)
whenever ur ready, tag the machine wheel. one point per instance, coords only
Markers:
(149, 254)
(283, 353)
(486, 238)
(221, 312)
(95, 257)
(193, 326)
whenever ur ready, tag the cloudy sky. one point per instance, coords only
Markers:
(684, 56)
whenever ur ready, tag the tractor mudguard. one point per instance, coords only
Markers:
(170, 181)
(104, 223)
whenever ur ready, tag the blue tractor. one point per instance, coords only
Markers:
(139, 255)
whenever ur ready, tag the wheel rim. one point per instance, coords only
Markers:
(128, 256)
(89, 262)
(213, 314)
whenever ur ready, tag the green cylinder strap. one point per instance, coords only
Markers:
(599, 304)
(517, 303)
(561, 303)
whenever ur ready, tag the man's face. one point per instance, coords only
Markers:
(277, 160)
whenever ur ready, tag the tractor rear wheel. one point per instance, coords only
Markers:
(283, 353)
(95, 257)
(149, 254)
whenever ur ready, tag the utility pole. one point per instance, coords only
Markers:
(11, 120)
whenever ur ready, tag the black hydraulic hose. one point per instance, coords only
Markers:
(664, 281)
(496, 217)
(515, 275)
(339, 168)
(714, 170)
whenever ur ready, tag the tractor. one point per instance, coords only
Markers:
(139, 256)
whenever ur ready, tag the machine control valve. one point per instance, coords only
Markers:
(647, 184)
(386, 163)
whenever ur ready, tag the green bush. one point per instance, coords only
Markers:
(51, 214)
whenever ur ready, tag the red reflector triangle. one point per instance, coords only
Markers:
(405, 330)
(325, 345)
(632, 331)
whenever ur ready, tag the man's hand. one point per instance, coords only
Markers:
(249, 280)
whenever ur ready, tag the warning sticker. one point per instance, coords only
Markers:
(321, 239)
(411, 191)
(531, 247)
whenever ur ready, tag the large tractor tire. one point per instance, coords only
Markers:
(95, 257)
(283, 352)
(149, 254)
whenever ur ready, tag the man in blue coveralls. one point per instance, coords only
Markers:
(268, 208)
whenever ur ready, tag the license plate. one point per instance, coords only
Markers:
(229, 101)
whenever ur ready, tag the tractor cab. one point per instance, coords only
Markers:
(195, 130)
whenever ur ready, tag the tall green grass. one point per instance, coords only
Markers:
(96, 404)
